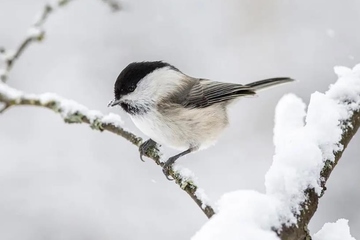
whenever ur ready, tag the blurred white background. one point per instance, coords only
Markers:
(60, 181)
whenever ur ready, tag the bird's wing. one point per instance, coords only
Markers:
(206, 92)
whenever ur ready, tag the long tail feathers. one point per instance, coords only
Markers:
(267, 83)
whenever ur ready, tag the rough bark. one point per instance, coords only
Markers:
(300, 232)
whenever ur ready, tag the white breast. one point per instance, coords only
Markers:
(155, 127)
(183, 130)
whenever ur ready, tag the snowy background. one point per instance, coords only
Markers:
(61, 181)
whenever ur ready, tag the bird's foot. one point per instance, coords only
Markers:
(145, 146)
(167, 166)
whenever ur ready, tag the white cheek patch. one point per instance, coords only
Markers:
(158, 84)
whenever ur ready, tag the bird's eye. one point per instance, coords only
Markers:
(131, 88)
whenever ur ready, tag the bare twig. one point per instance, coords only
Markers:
(3, 109)
(36, 33)
(73, 112)
(114, 5)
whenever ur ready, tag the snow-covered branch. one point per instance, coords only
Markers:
(36, 33)
(311, 151)
(308, 147)
(73, 112)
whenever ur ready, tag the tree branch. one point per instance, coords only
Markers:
(73, 112)
(113, 4)
(300, 232)
(308, 145)
(346, 96)
(4, 107)
(36, 33)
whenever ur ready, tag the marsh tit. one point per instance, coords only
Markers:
(176, 110)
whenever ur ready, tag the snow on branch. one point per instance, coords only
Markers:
(308, 145)
(334, 231)
(36, 33)
(73, 112)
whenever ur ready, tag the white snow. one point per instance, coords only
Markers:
(303, 142)
(113, 119)
(347, 87)
(66, 107)
(244, 214)
(301, 151)
(200, 194)
(189, 177)
(34, 32)
(7, 55)
(186, 174)
(69, 107)
(9, 92)
(290, 116)
(334, 231)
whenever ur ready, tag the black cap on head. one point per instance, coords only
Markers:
(133, 73)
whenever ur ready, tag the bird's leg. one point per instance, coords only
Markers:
(145, 146)
(172, 160)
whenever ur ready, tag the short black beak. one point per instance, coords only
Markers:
(114, 102)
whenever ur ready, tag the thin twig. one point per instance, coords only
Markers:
(3, 109)
(73, 112)
(114, 5)
(36, 33)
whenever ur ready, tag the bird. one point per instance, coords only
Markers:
(176, 110)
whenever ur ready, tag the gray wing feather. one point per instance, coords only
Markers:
(205, 93)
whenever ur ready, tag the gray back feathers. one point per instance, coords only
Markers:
(204, 93)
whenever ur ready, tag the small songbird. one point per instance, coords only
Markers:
(176, 110)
